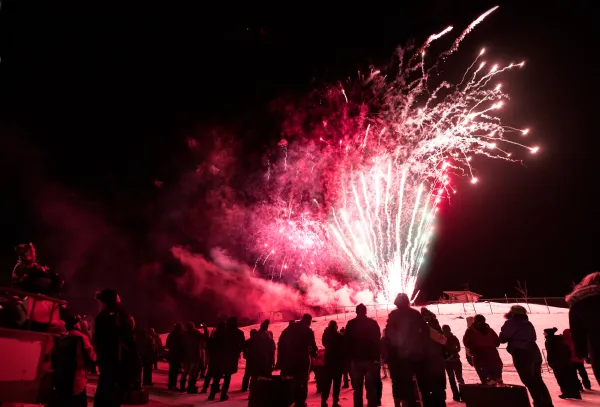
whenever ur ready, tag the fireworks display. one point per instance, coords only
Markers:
(362, 187)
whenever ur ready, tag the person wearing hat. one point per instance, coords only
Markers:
(559, 359)
(483, 343)
(521, 338)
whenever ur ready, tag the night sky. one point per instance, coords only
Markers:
(100, 101)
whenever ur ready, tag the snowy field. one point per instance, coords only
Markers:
(450, 314)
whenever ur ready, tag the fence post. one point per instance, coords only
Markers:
(473, 304)
(546, 302)
(464, 309)
(438, 308)
(491, 309)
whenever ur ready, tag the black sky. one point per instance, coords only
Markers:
(97, 99)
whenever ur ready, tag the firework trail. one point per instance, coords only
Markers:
(386, 153)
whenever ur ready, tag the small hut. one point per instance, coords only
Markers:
(461, 296)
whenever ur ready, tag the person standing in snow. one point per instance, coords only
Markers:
(334, 364)
(483, 342)
(520, 335)
(584, 320)
(176, 354)
(363, 338)
(453, 363)
(559, 359)
(578, 363)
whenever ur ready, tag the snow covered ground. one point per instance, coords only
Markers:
(453, 315)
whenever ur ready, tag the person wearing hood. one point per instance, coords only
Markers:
(453, 363)
(483, 342)
(559, 359)
(584, 320)
(521, 338)
(334, 363)
(577, 362)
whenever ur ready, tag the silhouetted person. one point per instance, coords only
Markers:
(411, 352)
(211, 352)
(520, 335)
(346, 374)
(559, 359)
(261, 356)
(578, 363)
(296, 347)
(229, 343)
(148, 355)
(158, 346)
(193, 343)
(247, 353)
(334, 363)
(115, 348)
(584, 320)
(453, 363)
(73, 355)
(176, 353)
(363, 340)
(283, 347)
(483, 342)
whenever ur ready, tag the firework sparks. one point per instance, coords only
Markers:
(377, 178)
(384, 224)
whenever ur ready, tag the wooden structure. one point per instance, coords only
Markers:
(461, 296)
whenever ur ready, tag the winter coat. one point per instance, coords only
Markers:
(146, 348)
(519, 333)
(113, 336)
(558, 353)
(407, 335)
(363, 338)
(259, 354)
(193, 344)
(175, 345)
(228, 345)
(334, 350)
(569, 342)
(452, 348)
(74, 353)
(482, 341)
(296, 346)
(584, 321)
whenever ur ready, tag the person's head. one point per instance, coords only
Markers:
(232, 322)
(479, 319)
(516, 311)
(26, 252)
(333, 326)
(428, 315)
(252, 332)
(73, 322)
(343, 330)
(567, 333)
(402, 301)
(306, 319)
(361, 310)
(550, 331)
(264, 326)
(590, 279)
(108, 297)
(178, 327)
(190, 326)
(292, 322)
(446, 329)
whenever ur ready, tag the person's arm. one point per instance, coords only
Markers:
(457, 344)
(313, 343)
(504, 336)
(496, 337)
